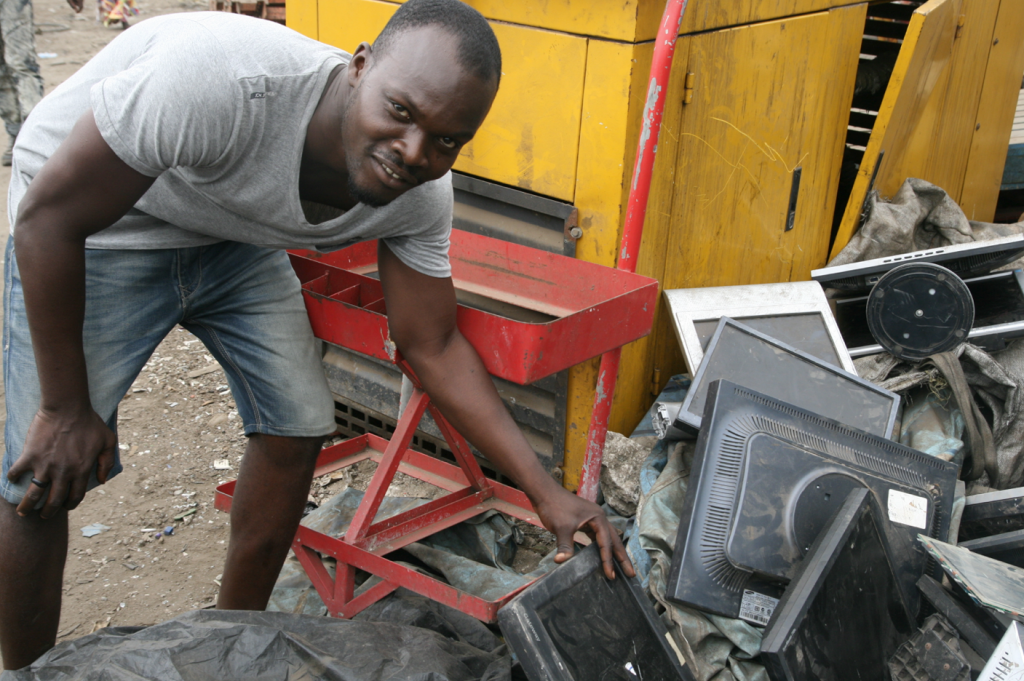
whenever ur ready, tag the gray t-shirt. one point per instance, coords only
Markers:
(216, 106)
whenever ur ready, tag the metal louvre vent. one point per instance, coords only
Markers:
(354, 420)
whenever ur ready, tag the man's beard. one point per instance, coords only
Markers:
(366, 196)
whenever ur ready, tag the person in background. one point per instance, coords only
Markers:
(21, 86)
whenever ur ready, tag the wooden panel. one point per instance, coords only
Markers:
(996, 113)
(941, 142)
(302, 17)
(926, 51)
(531, 136)
(612, 104)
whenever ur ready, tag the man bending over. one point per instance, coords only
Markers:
(221, 140)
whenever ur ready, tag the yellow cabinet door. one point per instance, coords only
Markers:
(767, 100)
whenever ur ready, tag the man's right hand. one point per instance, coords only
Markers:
(61, 449)
(60, 210)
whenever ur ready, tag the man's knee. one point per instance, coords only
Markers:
(282, 449)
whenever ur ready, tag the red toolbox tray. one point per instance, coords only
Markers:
(589, 308)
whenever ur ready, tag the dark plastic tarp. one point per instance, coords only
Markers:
(228, 645)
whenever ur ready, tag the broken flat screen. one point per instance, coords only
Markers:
(842, 617)
(577, 625)
(992, 513)
(965, 260)
(796, 313)
(1007, 547)
(998, 314)
(740, 354)
(990, 583)
(766, 477)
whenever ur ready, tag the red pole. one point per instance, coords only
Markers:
(632, 231)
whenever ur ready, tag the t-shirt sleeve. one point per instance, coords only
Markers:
(426, 250)
(175, 105)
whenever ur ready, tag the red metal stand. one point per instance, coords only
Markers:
(365, 543)
(591, 309)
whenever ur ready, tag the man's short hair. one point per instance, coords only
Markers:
(478, 50)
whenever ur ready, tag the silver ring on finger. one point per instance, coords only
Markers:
(39, 483)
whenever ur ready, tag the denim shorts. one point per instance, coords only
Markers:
(244, 302)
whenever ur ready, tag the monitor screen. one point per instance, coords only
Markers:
(805, 331)
(577, 625)
(740, 354)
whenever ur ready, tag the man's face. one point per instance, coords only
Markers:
(409, 114)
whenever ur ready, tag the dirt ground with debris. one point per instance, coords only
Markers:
(179, 433)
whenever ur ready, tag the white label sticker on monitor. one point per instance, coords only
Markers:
(757, 608)
(907, 509)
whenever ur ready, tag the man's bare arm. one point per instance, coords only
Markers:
(83, 188)
(421, 318)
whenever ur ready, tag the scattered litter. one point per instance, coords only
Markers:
(205, 370)
(222, 465)
(62, 634)
(182, 516)
(47, 55)
(169, 530)
(100, 624)
(148, 529)
(94, 529)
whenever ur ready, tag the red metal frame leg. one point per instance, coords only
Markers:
(385, 472)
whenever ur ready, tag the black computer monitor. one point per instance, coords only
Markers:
(1007, 547)
(766, 477)
(992, 513)
(998, 314)
(577, 625)
(842, 617)
(741, 354)
(965, 260)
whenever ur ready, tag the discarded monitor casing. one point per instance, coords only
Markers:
(843, 616)
(766, 478)
(1007, 663)
(965, 260)
(992, 513)
(1007, 547)
(998, 314)
(766, 365)
(577, 625)
(797, 313)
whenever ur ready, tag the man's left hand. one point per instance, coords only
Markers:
(564, 514)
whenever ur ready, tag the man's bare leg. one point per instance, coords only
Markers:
(273, 485)
(31, 574)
